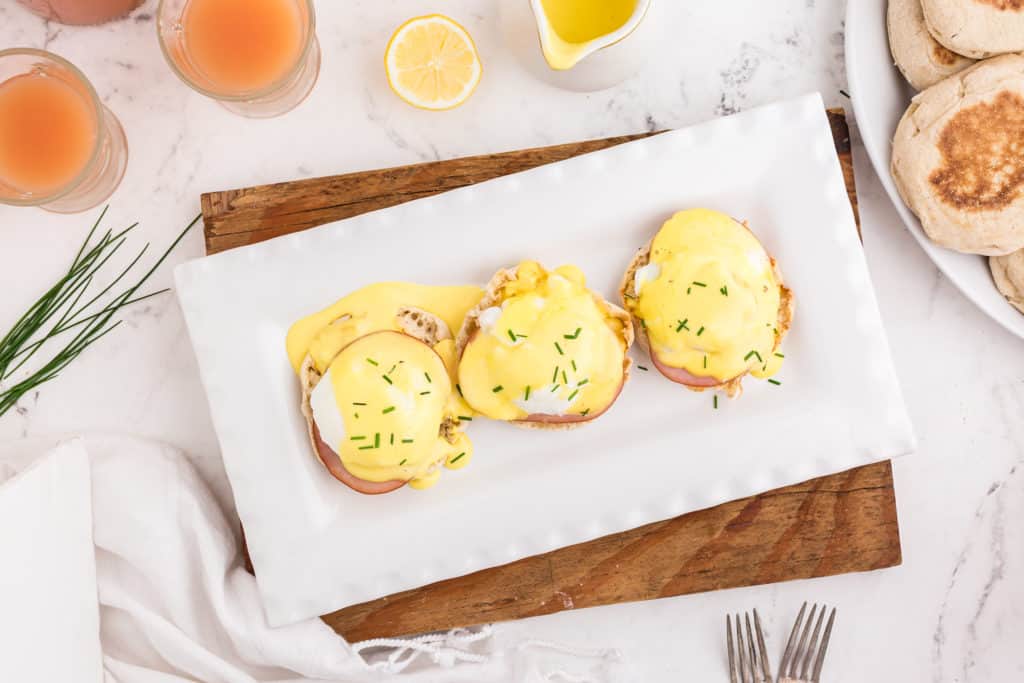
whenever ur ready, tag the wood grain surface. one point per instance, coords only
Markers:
(832, 525)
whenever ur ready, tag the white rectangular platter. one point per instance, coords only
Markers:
(661, 451)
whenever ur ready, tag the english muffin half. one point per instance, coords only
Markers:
(1008, 273)
(976, 28)
(921, 59)
(958, 158)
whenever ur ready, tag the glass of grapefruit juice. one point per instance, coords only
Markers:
(60, 148)
(258, 58)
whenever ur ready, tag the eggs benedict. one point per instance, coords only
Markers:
(709, 302)
(377, 388)
(541, 350)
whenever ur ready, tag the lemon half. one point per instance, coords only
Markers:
(432, 63)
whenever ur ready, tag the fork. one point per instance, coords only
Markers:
(804, 657)
(748, 662)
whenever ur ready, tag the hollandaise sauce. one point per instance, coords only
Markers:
(548, 349)
(372, 309)
(381, 406)
(709, 298)
(574, 23)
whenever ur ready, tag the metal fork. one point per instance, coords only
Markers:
(804, 657)
(748, 663)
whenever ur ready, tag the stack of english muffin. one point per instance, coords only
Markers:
(958, 153)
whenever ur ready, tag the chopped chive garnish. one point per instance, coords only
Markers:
(387, 379)
(526, 394)
(573, 365)
(392, 438)
(682, 325)
(512, 335)
(554, 377)
(365, 448)
(705, 361)
(560, 351)
(640, 367)
(372, 361)
(574, 335)
(357, 403)
(573, 394)
(458, 387)
(584, 413)
(582, 382)
(376, 440)
(724, 290)
(357, 416)
(356, 438)
(406, 440)
(565, 379)
(700, 331)
(467, 418)
(427, 375)
(404, 460)
(392, 368)
(643, 323)
(497, 388)
(775, 382)
(424, 393)
(754, 353)
(688, 289)
(699, 284)
(775, 330)
(387, 410)
(555, 388)
(764, 367)
(780, 355)
(457, 457)
(716, 401)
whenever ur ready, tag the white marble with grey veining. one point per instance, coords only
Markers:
(954, 611)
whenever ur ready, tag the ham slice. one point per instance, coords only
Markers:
(334, 465)
(681, 376)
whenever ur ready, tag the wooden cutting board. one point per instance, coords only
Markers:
(833, 525)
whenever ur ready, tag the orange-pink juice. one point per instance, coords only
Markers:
(243, 45)
(47, 132)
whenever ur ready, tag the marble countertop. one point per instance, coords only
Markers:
(954, 611)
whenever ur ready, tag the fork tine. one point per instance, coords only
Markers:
(816, 674)
(766, 668)
(750, 647)
(787, 654)
(733, 676)
(801, 645)
(812, 645)
(741, 648)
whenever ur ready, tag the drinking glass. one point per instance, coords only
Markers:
(207, 41)
(60, 148)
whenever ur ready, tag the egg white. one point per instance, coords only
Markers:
(645, 274)
(326, 413)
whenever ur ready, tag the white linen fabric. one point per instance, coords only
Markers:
(177, 605)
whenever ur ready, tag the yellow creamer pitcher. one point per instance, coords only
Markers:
(579, 44)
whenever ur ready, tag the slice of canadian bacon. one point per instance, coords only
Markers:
(333, 463)
(681, 376)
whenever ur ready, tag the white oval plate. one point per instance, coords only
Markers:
(880, 97)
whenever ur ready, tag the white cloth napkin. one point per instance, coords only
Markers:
(175, 603)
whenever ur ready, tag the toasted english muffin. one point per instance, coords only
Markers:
(921, 59)
(958, 158)
(733, 387)
(492, 297)
(1008, 273)
(976, 28)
